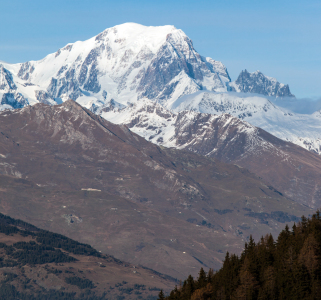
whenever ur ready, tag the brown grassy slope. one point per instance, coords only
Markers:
(154, 205)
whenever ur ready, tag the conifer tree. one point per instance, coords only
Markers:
(288, 269)
(161, 295)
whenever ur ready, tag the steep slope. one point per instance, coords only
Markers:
(126, 62)
(16, 93)
(102, 184)
(289, 168)
(38, 264)
(301, 129)
(258, 83)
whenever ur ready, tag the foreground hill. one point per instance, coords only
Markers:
(38, 264)
(70, 171)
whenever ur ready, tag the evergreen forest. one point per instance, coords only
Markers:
(287, 268)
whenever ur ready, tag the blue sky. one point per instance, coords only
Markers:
(280, 38)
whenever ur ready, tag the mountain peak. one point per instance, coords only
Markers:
(136, 26)
(126, 62)
(259, 83)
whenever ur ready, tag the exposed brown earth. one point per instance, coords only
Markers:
(289, 168)
(169, 210)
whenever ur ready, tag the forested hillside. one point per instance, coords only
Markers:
(37, 264)
(286, 268)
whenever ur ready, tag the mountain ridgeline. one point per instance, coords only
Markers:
(67, 170)
(258, 83)
(286, 268)
(126, 62)
(292, 170)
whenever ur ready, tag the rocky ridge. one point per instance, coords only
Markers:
(263, 112)
(288, 167)
(258, 83)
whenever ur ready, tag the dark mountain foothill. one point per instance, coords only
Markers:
(37, 264)
(287, 168)
(67, 170)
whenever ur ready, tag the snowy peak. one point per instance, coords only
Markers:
(126, 63)
(258, 83)
(135, 36)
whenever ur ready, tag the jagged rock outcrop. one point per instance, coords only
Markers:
(9, 95)
(258, 83)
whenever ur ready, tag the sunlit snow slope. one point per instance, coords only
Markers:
(126, 62)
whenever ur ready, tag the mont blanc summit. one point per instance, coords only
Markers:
(126, 62)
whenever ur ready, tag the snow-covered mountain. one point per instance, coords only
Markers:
(258, 83)
(130, 62)
(126, 62)
(301, 129)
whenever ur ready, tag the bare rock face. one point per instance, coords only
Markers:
(177, 57)
(289, 168)
(9, 95)
(127, 196)
(6, 80)
(258, 83)
(44, 97)
(14, 100)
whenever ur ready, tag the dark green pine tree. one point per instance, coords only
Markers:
(202, 279)
(188, 287)
(161, 295)
(288, 269)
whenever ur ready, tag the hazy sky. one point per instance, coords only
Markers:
(280, 38)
